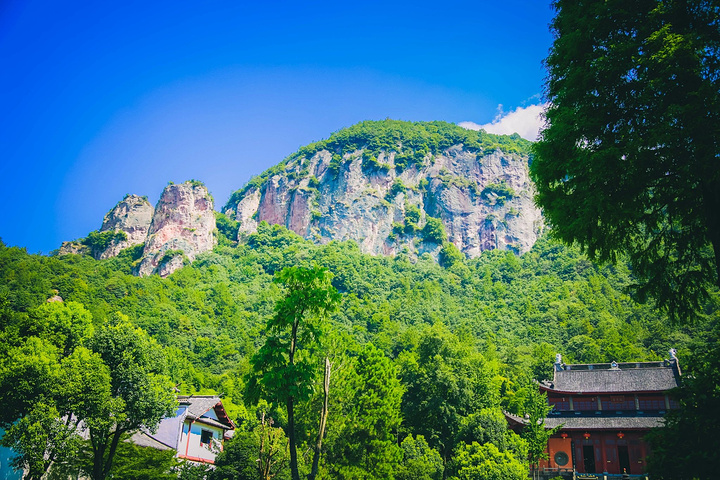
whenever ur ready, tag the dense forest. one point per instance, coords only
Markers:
(424, 356)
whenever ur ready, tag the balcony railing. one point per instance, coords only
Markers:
(551, 473)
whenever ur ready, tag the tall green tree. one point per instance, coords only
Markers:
(629, 161)
(535, 432)
(687, 447)
(446, 381)
(40, 438)
(283, 366)
(367, 445)
(140, 394)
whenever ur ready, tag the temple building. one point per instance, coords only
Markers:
(605, 411)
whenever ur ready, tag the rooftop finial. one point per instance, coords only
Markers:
(673, 354)
(558, 358)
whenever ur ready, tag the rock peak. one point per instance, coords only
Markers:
(182, 226)
(132, 215)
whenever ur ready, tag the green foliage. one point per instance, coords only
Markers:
(313, 182)
(446, 380)
(686, 447)
(450, 255)
(371, 164)
(26, 376)
(367, 447)
(419, 462)
(485, 426)
(40, 438)
(412, 213)
(282, 370)
(335, 163)
(143, 463)
(501, 192)
(628, 161)
(170, 254)
(486, 462)
(397, 187)
(140, 394)
(434, 231)
(227, 228)
(536, 409)
(98, 242)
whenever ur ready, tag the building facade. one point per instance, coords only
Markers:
(196, 432)
(604, 412)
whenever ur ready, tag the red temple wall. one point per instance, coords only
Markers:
(607, 448)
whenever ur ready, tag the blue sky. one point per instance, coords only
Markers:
(100, 99)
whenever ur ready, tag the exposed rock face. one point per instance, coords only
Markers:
(485, 201)
(73, 247)
(182, 226)
(132, 215)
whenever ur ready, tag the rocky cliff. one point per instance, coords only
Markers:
(182, 226)
(132, 216)
(400, 187)
(173, 233)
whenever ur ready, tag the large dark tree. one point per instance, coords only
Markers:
(687, 447)
(629, 161)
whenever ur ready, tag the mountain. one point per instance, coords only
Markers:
(170, 235)
(394, 186)
(390, 186)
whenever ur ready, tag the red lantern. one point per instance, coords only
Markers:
(563, 435)
(620, 435)
(586, 435)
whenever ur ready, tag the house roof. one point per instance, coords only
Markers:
(614, 378)
(606, 423)
(145, 439)
(199, 405)
(644, 422)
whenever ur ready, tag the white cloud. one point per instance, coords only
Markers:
(526, 121)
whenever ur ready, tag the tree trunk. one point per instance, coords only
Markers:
(291, 437)
(98, 447)
(291, 403)
(323, 421)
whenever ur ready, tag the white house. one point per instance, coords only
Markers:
(196, 432)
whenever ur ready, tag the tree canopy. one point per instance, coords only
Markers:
(283, 366)
(629, 161)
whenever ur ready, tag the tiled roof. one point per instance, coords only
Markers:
(144, 439)
(198, 405)
(605, 423)
(643, 422)
(624, 378)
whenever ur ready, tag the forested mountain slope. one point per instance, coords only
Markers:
(212, 313)
(423, 355)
